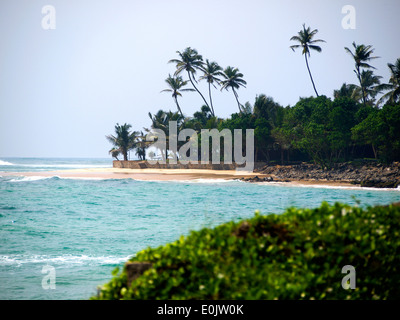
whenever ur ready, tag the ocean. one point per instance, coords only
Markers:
(83, 228)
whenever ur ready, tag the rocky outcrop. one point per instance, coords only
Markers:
(364, 174)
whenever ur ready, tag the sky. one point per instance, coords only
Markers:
(62, 89)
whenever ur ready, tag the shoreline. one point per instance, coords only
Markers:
(180, 175)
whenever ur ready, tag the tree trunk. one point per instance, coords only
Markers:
(236, 96)
(190, 78)
(308, 68)
(361, 85)
(179, 108)
(209, 93)
(375, 152)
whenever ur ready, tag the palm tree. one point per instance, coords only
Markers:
(211, 73)
(247, 108)
(393, 96)
(176, 83)
(371, 84)
(305, 38)
(141, 146)
(362, 55)
(114, 153)
(345, 91)
(233, 79)
(189, 61)
(160, 121)
(123, 141)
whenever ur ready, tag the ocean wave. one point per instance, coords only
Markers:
(32, 178)
(18, 260)
(70, 166)
(9, 178)
(5, 163)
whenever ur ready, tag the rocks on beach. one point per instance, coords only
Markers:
(364, 174)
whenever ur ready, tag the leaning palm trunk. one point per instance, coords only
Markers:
(177, 105)
(190, 78)
(309, 72)
(237, 100)
(211, 104)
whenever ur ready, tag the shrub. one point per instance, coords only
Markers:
(295, 255)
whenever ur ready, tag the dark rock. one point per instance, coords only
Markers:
(136, 269)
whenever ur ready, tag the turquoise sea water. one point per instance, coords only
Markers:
(85, 228)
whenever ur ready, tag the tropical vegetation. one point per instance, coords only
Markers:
(360, 121)
(299, 254)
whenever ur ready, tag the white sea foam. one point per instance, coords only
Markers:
(5, 163)
(18, 260)
(84, 178)
(37, 178)
(69, 166)
(30, 178)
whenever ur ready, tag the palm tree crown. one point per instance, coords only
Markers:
(307, 43)
(393, 96)
(362, 54)
(160, 121)
(233, 80)
(176, 85)
(123, 141)
(211, 73)
(190, 61)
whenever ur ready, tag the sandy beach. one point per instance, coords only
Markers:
(141, 174)
(168, 175)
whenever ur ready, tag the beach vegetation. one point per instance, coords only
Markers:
(299, 254)
(361, 54)
(360, 121)
(175, 85)
(123, 141)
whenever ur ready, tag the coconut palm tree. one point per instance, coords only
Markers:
(114, 153)
(371, 85)
(393, 96)
(123, 141)
(233, 80)
(176, 85)
(362, 54)
(305, 39)
(160, 121)
(190, 61)
(141, 146)
(345, 91)
(211, 73)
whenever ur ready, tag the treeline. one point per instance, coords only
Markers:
(318, 129)
(354, 124)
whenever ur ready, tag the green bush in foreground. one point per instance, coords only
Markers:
(295, 255)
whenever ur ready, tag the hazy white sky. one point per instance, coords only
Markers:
(63, 90)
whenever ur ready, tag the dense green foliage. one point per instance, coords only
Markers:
(322, 130)
(355, 124)
(295, 255)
